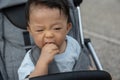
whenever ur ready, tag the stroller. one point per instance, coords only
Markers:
(15, 41)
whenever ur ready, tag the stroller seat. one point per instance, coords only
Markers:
(15, 40)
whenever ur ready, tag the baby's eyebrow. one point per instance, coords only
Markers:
(57, 23)
(38, 26)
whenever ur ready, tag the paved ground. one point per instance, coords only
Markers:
(101, 23)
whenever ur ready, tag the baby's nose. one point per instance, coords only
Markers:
(49, 37)
(49, 34)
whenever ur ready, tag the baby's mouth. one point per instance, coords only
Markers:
(49, 43)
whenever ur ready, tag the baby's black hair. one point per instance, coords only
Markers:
(62, 5)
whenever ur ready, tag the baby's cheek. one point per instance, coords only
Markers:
(39, 44)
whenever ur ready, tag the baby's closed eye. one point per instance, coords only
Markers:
(58, 28)
(39, 30)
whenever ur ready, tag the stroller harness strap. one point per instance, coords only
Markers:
(83, 62)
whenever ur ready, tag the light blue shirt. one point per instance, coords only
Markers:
(65, 61)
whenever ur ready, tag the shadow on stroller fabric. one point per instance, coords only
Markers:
(15, 40)
(1, 77)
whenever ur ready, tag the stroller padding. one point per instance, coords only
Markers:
(16, 15)
(77, 75)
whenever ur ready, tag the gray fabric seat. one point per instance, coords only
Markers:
(14, 38)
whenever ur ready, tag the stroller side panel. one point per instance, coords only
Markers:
(13, 48)
(13, 45)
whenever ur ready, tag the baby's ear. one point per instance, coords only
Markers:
(69, 26)
(29, 30)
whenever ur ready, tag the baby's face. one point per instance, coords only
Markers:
(48, 26)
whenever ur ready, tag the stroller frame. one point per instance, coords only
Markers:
(85, 41)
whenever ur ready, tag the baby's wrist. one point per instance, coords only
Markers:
(42, 63)
(39, 70)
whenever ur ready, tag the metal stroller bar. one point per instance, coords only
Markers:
(94, 56)
(93, 53)
(80, 25)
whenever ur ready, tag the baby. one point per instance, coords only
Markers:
(48, 23)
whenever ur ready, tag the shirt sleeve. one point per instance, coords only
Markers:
(26, 67)
(75, 46)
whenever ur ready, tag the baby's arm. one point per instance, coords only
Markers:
(47, 54)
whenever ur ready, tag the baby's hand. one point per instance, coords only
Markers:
(48, 52)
